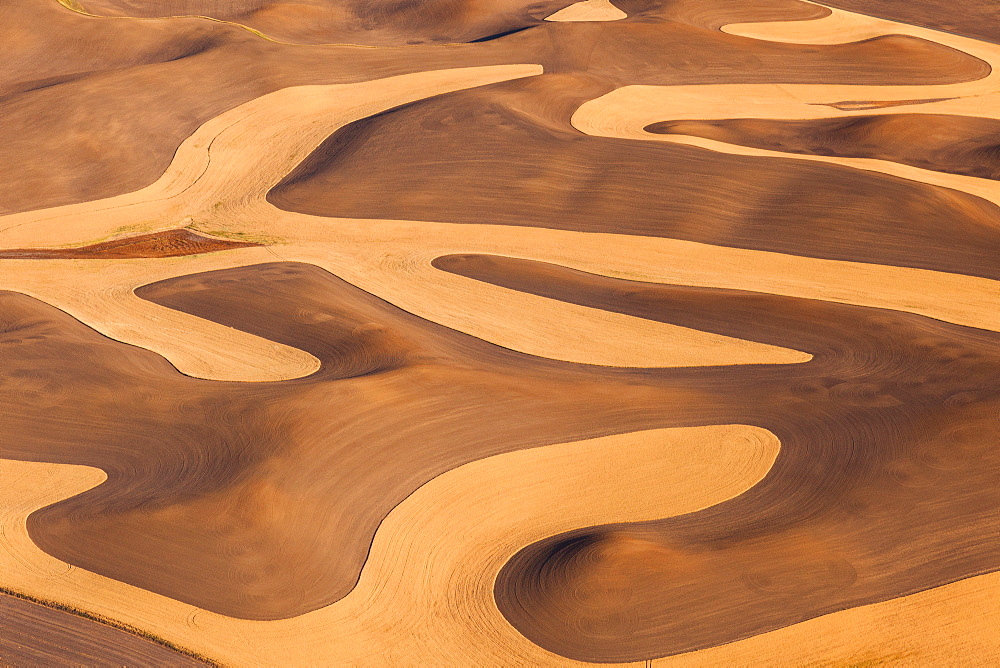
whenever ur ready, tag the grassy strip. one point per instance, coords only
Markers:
(118, 232)
(73, 5)
(122, 626)
(249, 237)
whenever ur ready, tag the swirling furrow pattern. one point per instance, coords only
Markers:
(802, 244)
(887, 465)
(231, 496)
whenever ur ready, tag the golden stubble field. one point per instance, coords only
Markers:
(490, 334)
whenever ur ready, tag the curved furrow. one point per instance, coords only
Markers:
(213, 484)
(425, 593)
(886, 466)
(390, 492)
(964, 145)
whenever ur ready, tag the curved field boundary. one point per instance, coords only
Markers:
(626, 112)
(589, 10)
(405, 250)
(947, 624)
(258, 142)
(950, 625)
(219, 179)
(221, 174)
(425, 594)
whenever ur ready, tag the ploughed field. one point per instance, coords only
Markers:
(486, 332)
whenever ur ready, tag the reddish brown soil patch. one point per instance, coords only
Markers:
(172, 243)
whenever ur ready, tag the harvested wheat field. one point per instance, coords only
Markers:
(497, 333)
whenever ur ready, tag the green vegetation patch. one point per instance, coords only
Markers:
(73, 5)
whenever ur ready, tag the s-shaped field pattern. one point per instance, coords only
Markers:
(497, 333)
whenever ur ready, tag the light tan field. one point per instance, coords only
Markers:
(427, 593)
(400, 269)
(426, 590)
(588, 10)
(451, 528)
(626, 112)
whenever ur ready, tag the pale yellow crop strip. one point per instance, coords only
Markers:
(426, 592)
(588, 10)
(218, 180)
(425, 596)
(625, 112)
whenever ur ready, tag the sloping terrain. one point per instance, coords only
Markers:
(373, 22)
(975, 18)
(481, 332)
(215, 502)
(955, 144)
(509, 167)
(887, 438)
(34, 634)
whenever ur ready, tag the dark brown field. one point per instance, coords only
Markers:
(232, 496)
(974, 18)
(36, 635)
(956, 144)
(268, 513)
(181, 72)
(516, 161)
(887, 483)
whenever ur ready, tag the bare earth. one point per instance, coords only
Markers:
(476, 332)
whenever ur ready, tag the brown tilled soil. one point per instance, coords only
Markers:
(717, 13)
(973, 18)
(260, 500)
(887, 482)
(513, 159)
(96, 107)
(172, 243)
(35, 635)
(956, 144)
(371, 22)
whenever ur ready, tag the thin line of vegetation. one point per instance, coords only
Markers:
(73, 5)
(235, 235)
